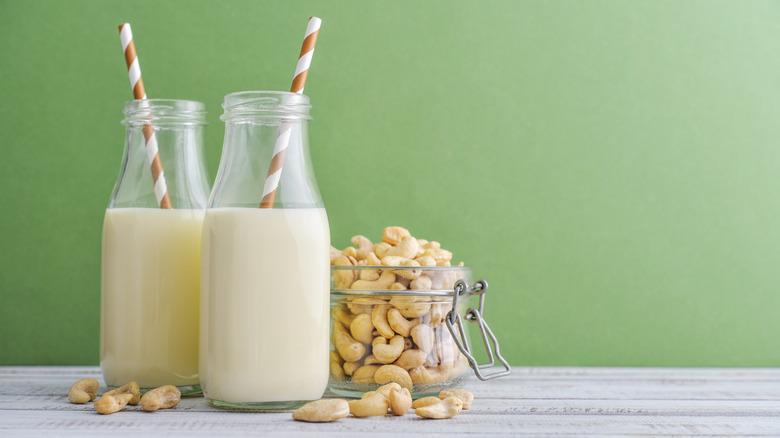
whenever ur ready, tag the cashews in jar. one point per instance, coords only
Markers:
(396, 337)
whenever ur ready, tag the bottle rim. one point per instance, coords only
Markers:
(248, 105)
(164, 112)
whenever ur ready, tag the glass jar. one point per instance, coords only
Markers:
(150, 278)
(383, 330)
(265, 272)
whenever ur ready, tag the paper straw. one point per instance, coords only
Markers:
(137, 84)
(283, 139)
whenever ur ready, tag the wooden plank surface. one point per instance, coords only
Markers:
(532, 402)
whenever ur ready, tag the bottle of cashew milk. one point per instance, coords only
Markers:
(150, 282)
(265, 261)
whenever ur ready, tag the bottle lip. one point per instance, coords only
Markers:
(164, 111)
(265, 104)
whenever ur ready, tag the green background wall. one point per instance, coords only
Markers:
(610, 167)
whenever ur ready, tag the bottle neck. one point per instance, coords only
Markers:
(163, 155)
(266, 146)
(164, 113)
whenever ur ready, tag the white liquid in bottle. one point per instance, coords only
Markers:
(150, 287)
(265, 300)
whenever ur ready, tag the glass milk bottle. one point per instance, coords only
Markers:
(265, 271)
(150, 281)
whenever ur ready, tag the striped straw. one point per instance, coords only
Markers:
(283, 139)
(137, 84)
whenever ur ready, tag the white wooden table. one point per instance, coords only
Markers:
(532, 401)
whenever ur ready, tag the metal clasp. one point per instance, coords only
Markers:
(475, 315)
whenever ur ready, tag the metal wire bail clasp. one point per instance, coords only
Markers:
(475, 315)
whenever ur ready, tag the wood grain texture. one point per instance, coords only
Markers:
(532, 402)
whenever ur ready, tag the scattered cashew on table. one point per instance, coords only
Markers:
(117, 399)
(392, 396)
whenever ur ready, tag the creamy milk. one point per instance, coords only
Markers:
(265, 299)
(150, 295)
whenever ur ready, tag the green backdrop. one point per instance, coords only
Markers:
(610, 167)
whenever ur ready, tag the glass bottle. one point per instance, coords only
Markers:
(150, 278)
(265, 272)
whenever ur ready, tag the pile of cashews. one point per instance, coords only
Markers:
(379, 339)
(390, 396)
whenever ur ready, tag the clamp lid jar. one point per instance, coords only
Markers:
(404, 324)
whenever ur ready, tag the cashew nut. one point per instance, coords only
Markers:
(365, 374)
(382, 283)
(447, 408)
(464, 395)
(360, 305)
(364, 246)
(422, 335)
(404, 281)
(432, 245)
(393, 260)
(322, 411)
(442, 256)
(400, 401)
(379, 319)
(426, 261)
(350, 253)
(371, 406)
(406, 249)
(411, 359)
(385, 389)
(83, 391)
(421, 247)
(425, 401)
(361, 328)
(394, 235)
(437, 314)
(164, 397)
(335, 366)
(370, 360)
(381, 248)
(349, 349)
(373, 260)
(423, 282)
(387, 352)
(369, 274)
(108, 404)
(350, 367)
(341, 315)
(342, 278)
(422, 376)
(342, 260)
(398, 323)
(368, 394)
(130, 388)
(409, 274)
(406, 305)
(393, 373)
(445, 348)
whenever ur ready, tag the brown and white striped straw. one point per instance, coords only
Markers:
(137, 84)
(283, 139)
